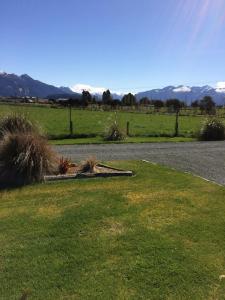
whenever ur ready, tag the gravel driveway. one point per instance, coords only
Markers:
(205, 159)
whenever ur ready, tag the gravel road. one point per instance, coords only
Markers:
(205, 159)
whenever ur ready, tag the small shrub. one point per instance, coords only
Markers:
(24, 158)
(17, 124)
(64, 165)
(89, 165)
(212, 130)
(114, 133)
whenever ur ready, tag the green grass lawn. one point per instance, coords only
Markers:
(158, 235)
(55, 121)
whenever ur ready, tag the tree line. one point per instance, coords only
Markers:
(206, 104)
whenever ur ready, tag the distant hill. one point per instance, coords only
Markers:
(67, 90)
(20, 86)
(184, 93)
(24, 85)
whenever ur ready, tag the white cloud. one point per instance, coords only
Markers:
(220, 87)
(79, 87)
(182, 89)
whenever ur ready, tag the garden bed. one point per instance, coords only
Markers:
(100, 170)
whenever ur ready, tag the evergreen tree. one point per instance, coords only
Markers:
(128, 100)
(158, 103)
(175, 104)
(195, 103)
(107, 98)
(207, 104)
(86, 98)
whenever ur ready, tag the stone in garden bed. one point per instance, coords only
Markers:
(100, 170)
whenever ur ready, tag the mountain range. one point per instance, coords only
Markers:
(185, 93)
(20, 86)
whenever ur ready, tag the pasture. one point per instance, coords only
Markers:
(54, 121)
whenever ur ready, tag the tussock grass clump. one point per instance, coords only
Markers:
(24, 158)
(212, 130)
(16, 123)
(88, 165)
(64, 164)
(114, 133)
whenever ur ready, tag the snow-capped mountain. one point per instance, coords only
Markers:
(24, 85)
(185, 93)
(94, 91)
(20, 86)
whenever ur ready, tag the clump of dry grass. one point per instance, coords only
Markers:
(16, 123)
(114, 133)
(24, 158)
(89, 165)
(64, 165)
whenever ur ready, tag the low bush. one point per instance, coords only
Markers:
(88, 165)
(25, 158)
(15, 123)
(114, 133)
(64, 165)
(212, 130)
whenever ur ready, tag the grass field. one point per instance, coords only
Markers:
(158, 235)
(55, 121)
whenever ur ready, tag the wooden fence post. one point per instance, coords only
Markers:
(176, 123)
(70, 120)
(128, 128)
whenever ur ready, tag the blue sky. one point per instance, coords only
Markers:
(124, 45)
